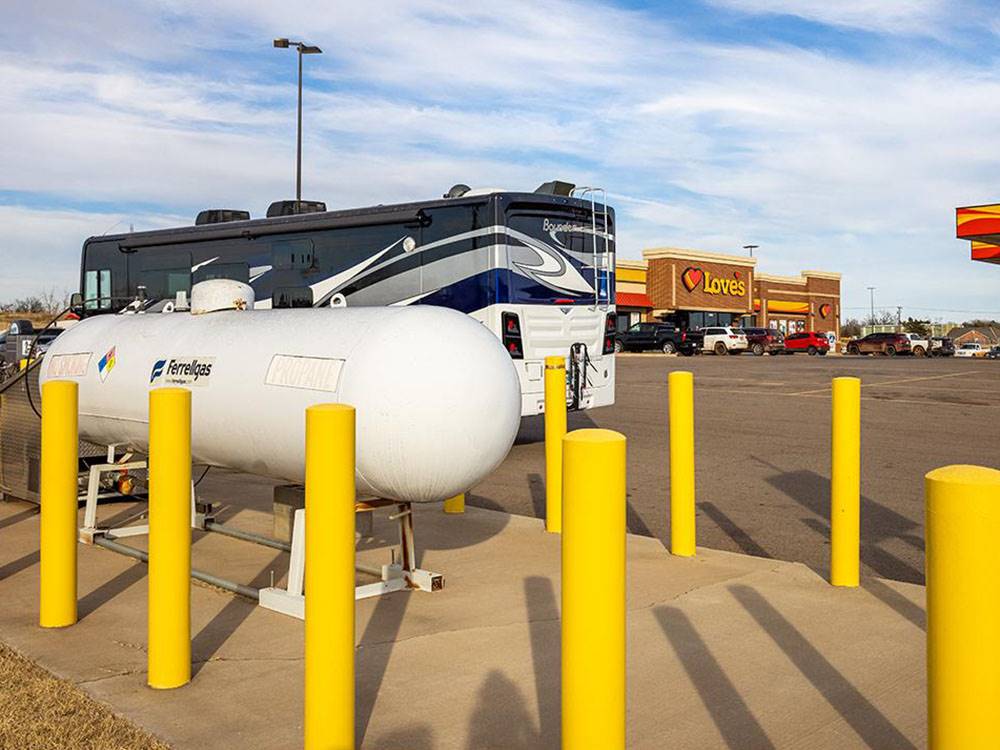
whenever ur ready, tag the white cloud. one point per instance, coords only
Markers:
(827, 162)
(886, 16)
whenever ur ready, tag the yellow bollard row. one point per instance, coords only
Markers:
(555, 430)
(963, 607)
(682, 510)
(57, 548)
(329, 572)
(169, 608)
(593, 590)
(845, 482)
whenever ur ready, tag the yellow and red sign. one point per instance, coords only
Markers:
(976, 221)
(693, 276)
(825, 309)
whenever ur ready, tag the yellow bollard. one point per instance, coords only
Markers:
(963, 607)
(455, 504)
(329, 625)
(845, 482)
(60, 449)
(169, 613)
(555, 430)
(593, 590)
(681, 404)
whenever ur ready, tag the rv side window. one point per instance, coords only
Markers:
(164, 283)
(97, 290)
(288, 254)
(292, 296)
(234, 271)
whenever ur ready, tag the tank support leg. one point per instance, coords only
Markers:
(397, 575)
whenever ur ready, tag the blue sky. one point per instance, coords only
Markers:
(836, 135)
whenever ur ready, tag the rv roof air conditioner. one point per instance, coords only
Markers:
(555, 187)
(457, 191)
(220, 216)
(291, 208)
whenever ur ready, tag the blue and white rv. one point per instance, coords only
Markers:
(535, 268)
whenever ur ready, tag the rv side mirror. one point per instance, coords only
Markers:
(75, 301)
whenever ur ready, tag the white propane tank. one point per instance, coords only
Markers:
(437, 396)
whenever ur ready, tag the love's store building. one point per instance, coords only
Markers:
(694, 289)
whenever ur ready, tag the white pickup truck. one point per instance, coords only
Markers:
(919, 345)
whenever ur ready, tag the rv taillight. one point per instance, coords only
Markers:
(609, 334)
(510, 326)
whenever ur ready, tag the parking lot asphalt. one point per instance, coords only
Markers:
(762, 427)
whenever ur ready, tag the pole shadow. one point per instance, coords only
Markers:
(501, 720)
(859, 713)
(18, 517)
(731, 529)
(739, 728)
(219, 629)
(373, 653)
(892, 598)
(418, 737)
(885, 564)
(16, 566)
(546, 657)
(536, 486)
(878, 523)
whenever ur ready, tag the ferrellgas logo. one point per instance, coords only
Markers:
(693, 276)
(191, 371)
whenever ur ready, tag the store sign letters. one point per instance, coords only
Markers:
(694, 276)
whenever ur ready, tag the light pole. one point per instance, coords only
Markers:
(303, 49)
(871, 291)
(751, 248)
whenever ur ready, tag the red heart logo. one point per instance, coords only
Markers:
(692, 277)
(824, 310)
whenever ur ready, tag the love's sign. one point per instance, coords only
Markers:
(693, 276)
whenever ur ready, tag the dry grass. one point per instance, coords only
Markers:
(40, 712)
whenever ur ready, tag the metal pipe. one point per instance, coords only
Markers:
(247, 536)
(235, 588)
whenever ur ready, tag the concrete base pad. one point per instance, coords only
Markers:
(724, 650)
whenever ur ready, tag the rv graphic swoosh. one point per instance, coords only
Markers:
(553, 270)
(203, 263)
(326, 287)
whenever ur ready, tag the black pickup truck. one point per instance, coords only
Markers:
(662, 336)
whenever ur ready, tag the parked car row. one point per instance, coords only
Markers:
(722, 340)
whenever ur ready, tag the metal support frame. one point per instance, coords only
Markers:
(395, 576)
(90, 530)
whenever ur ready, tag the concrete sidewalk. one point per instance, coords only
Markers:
(724, 650)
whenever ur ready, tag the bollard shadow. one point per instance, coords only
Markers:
(219, 629)
(859, 713)
(536, 486)
(739, 728)
(18, 517)
(110, 589)
(546, 656)
(532, 429)
(417, 737)
(885, 564)
(878, 523)
(892, 598)
(373, 653)
(16, 566)
(731, 529)
(500, 719)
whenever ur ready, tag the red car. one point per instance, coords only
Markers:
(808, 341)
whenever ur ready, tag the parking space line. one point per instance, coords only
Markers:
(887, 382)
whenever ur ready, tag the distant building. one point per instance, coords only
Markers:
(694, 289)
(985, 335)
